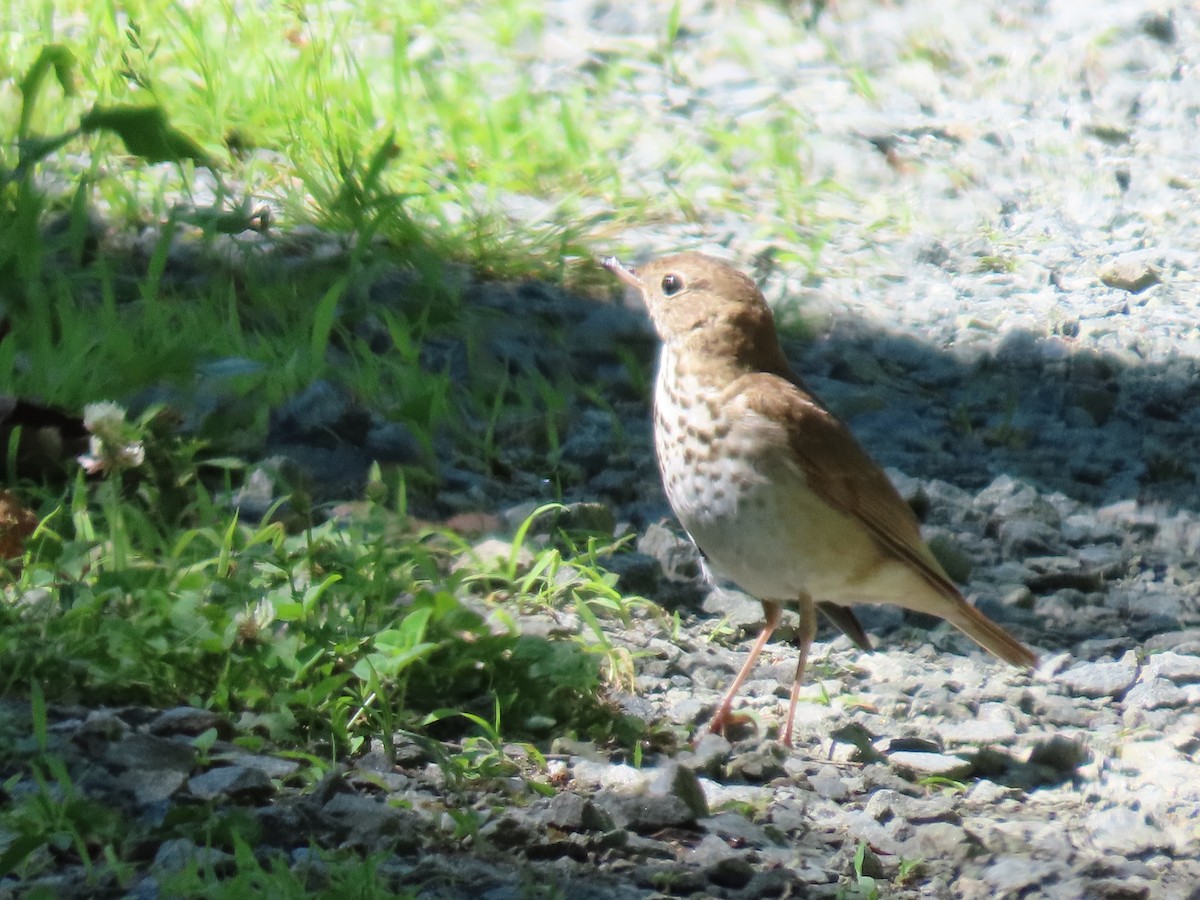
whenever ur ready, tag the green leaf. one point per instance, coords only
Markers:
(18, 850)
(388, 665)
(542, 788)
(323, 318)
(145, 132)
(397, 648)
(35, 149)
(53, 58)
(289, 611)
(674, 18)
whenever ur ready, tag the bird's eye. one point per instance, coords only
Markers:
(672, 284)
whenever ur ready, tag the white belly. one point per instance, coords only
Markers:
(774, 538)
(748, 507)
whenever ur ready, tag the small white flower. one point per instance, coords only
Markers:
(114, 444)
(105, 420)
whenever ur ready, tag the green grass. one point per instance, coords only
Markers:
(324, 637)
(864, 886)
(317, 642)
(461, 126)
(57, 826)
(369, 118)
(193, 209)
(411, 134)
(371, 126)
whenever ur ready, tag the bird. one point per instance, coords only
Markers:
(772, 487)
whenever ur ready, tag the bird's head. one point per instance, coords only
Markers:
(702, 303)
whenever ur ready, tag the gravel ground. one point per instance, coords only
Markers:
(1004, 314)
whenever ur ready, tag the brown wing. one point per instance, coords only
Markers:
(841, 473)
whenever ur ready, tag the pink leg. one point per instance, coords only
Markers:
(808, 630)
(772, 611)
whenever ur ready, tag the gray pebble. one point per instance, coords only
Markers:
(1179, 668)
(365, 823)
(677, 555)
(1099, 679)
(1059, 753)
(991, 730)
(176, 854)
(675, 780)
(738, 829)
(828, 783)
(1131, 272)
(1158, 693)
(190, 721)
(1012, 875)
(1125, 831)
(926, 764)
(643, 813)
(146, 751)
(239, 783)
(151, 786)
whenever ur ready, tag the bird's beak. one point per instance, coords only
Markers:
(627, 274)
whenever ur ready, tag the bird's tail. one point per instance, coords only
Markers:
(991, 636)
(843, 617)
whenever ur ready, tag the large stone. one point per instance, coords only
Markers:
(1099, 679)
(238, 783)
(924, 765)
(1158, 693)
(1010, 876)
(1131, 272)
(1125, 832)
(1180, 668)
(679, 781)
(644, 813)
(189, 720)
(176, 854)
(569, 811)
(366, 824)
(146, 751)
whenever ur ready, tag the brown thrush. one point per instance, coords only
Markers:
(771, 486)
